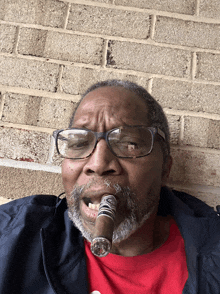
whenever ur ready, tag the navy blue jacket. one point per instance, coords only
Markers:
(41, 252)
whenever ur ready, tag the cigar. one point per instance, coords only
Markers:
(104, 226)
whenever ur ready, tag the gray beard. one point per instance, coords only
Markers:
(133, 213)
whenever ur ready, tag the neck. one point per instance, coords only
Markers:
(150, 236)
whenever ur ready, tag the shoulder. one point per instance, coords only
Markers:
(178, 200)
(28, 210)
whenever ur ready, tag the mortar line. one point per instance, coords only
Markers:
(147, 10)
(181, 135)
(152, 12)
(15, 49)
(197, 187)
(27, 127)
(153, 26)
(67, 15)
(116, 38)
(59, 87)
(197, 8)
(2, 104)
(193, 65)
(51, 151)
(194, 190)
(150, 85)
(104, 53)
(195, 149)
(5, 199)
(211, 116)
(41, 93)
(30, 165)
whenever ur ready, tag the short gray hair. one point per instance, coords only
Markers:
(156, 115)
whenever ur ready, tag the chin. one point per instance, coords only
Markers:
(129, 226)
(79, 225)
(132, 216)
(123, 231)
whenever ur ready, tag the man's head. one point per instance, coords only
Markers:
(136, 182)
(155, 114)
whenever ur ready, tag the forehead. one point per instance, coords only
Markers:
(117, 102)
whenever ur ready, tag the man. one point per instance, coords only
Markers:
(163, 241)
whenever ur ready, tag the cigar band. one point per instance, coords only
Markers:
(106, 213)
(108, 207)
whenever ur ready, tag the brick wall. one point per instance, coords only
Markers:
(51, 51)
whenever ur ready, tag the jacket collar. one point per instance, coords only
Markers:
(194, 219)
(63, 254)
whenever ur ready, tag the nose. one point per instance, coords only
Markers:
(102, 161)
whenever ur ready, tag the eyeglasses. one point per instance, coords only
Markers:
(124, 142)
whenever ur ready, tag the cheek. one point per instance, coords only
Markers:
(146, 175)
(70, 174)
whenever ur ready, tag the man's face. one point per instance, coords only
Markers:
(136, 182)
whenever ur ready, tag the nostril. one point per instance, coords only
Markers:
(107, 172)
(111, 171)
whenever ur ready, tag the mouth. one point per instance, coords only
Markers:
(89, 210)
(92, 205)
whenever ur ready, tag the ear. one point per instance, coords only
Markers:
(166, 170)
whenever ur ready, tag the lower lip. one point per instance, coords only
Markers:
(88, 213)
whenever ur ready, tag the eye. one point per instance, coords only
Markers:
(131, 141)
(132, 145)
(129, 146)
(78, 144)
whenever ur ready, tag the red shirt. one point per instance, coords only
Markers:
(162, 271)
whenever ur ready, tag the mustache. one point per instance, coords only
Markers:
(126, 198)
(87, 189)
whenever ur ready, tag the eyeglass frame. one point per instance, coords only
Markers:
(104, 135)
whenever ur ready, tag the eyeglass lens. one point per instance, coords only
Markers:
(124, 142)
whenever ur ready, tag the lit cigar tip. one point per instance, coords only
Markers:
(100, 246)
